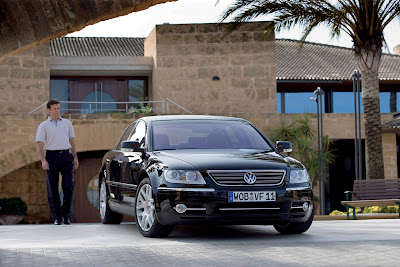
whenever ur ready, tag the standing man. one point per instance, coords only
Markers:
(56, 136)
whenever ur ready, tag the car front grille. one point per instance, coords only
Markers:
(236, 178)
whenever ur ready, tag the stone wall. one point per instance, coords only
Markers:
(25, 81)
(28, 183)
(389, 155)
(187, 57)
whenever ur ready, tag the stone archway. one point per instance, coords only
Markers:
(21, 173)
(26, 24)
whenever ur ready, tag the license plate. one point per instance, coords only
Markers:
(252, 196)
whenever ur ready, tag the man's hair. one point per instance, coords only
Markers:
(52, 102)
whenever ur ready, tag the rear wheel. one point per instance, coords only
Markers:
(107, 216)
(294, 227)
(145, 213)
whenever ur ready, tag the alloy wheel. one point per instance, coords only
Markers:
(145, 208)
(103, 199)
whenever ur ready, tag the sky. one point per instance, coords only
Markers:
(140, 24)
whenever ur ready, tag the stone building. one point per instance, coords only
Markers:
(190, 68)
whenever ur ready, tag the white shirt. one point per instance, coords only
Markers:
(55, 134)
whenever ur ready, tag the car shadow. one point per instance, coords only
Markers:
(218, 232)
(211, 232)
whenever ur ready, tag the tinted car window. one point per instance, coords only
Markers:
(206, 134)
(124, 136)
(139, 133)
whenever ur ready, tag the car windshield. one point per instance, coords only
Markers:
(206, 134)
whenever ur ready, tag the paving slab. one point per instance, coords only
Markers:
(327, 243)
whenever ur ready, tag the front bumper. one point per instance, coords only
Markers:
(209, 205)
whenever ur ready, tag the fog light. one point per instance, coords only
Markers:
(305, 206)
(180, 208)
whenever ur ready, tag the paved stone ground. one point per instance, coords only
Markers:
(327, 243)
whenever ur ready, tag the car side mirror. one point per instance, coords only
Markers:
(284, 146)
(132, 146)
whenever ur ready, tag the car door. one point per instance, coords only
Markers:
(131, 165)
(114, 162)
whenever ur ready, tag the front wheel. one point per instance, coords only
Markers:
(295, 227)
(145, 213)
(107, 216)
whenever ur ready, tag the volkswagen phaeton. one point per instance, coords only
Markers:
(170, 170)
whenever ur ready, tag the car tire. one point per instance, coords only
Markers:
(145, 212)
(107, 216)
(295, 227)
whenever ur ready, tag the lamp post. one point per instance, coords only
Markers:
(319, 93)
(355, 76)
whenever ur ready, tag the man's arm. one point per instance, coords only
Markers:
(40, 151)
(73, 149)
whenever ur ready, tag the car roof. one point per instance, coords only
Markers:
(188, 117)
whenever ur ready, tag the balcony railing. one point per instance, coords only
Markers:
(86, 107)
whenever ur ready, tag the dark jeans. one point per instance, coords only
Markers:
(59, 163)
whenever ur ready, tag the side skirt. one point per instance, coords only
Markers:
(126, 209)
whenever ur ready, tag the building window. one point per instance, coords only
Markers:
(59, 91)
(343, 102)
(137, 92)
(333, 102)
(279, 103)
(298, 102)
(98, 94)
(101, 102)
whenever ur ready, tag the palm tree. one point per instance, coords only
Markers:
(363, 20)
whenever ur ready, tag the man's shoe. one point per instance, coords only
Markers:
(57, 222)
(66, 220)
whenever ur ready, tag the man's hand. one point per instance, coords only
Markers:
(76, 163)
(45, 165)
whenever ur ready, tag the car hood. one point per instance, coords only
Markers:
(225, 160)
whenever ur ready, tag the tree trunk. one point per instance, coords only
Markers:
(372, 122)
(368, 55)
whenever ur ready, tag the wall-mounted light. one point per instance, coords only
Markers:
(215, 78)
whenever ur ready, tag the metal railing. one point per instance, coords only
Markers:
(92, 107)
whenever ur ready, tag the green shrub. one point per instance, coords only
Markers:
(385, 209)
(336, 212)
(14, 206)
(142, 110)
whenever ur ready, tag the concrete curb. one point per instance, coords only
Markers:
(358, 216)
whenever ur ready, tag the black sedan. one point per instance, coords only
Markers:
(169, 170)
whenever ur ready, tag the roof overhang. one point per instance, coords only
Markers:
(101, 66)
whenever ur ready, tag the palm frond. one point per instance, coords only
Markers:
(360, 19)
(283, 133)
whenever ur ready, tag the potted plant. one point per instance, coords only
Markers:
(12, 210)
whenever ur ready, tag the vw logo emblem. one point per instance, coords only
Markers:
(250, 178)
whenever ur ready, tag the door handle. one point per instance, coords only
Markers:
(108, 160)
(120, 162)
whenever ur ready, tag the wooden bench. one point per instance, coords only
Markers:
(368, 193)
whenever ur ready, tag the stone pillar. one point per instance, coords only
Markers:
(396, 50)
(207, 73)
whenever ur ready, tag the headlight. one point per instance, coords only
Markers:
(183, 177)
(299, 176)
